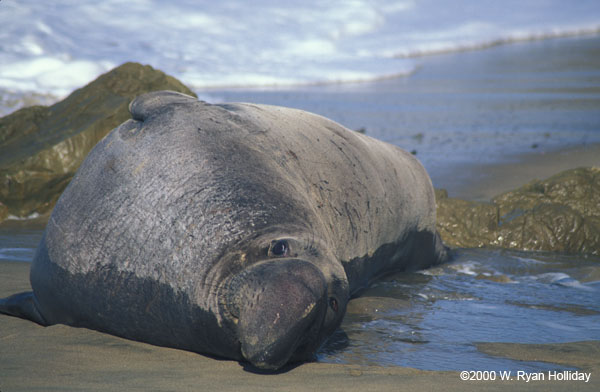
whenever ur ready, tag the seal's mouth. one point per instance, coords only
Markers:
(280, 306)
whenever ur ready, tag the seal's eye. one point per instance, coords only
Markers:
(333, 303)
(280, 248)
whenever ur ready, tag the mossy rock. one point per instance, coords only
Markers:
(560, 214)
(42, 147)
(576, 188)
(465, 224)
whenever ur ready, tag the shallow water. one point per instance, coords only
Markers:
(18, 241)
(431, 319)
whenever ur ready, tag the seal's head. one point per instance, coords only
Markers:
(285, 303)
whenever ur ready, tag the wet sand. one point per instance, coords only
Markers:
(483, 182)
(490, 119)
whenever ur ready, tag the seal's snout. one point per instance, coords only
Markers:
(281, 307)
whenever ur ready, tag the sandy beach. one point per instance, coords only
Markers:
(483, 182)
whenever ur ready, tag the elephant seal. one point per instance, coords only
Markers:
(235, 230)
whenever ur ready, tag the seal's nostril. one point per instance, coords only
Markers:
(333, 303)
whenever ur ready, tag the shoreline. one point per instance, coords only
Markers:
(482, 182)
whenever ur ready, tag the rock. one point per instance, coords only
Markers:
(42, 147)
(576, 189)
(560, 214)
(465, 224)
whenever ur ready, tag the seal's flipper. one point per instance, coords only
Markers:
(150, 103)
(22, 305)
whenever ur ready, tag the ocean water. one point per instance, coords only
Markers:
(48, 49)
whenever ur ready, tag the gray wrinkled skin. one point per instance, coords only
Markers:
(236, 230)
